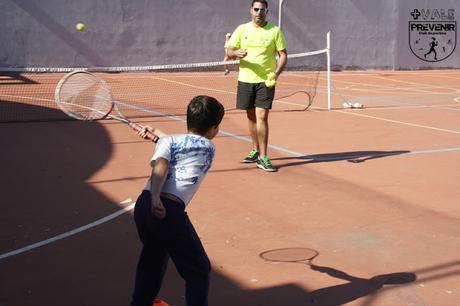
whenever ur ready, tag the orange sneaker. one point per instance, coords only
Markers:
(158, 302)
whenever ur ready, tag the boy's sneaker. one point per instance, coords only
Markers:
(265, 164)
(252, 157)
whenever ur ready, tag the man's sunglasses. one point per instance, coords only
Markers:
(260, 10)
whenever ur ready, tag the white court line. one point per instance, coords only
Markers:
(398, 122)
(420, 89)
(455, 72)
(246, 139)
(242, 138)
(67, 234)
(26, 97)
(194, 86)
(413, 83)
(414, 106)
(130, 207)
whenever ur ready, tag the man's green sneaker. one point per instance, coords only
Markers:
(252, 157)
(265, 164)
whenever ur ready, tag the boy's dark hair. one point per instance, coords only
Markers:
(204, 112)
(261, 1)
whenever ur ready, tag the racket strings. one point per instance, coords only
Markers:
(84, 97)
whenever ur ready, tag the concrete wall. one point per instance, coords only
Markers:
(365, 33)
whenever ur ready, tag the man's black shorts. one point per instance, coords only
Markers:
(252, 95)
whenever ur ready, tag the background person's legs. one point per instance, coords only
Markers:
(262, 130)
(253, 128)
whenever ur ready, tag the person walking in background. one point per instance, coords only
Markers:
(256, 44)
(226, 57)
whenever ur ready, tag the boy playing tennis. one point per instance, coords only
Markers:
(179, 165)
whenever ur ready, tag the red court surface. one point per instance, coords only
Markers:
(374, 191)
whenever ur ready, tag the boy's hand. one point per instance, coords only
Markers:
(143, 132)
(158, 210)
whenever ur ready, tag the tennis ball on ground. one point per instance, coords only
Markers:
(80, 26)
(271, 80)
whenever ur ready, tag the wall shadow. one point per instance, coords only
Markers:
(13, 78)
(46, 190)
(68, 37)
(11, 111)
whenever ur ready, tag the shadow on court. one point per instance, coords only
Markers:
(352, 157)
(44, 189)
(48, 188)
(11, 78)
(14, 111)
(224, 292)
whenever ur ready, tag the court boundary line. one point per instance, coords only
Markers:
(233, 135)
(130, 207)
(122, 211)
(398, 122)
(66, 234)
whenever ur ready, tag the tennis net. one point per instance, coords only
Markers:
(27, 94)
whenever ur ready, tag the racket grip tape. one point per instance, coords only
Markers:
(151, 136)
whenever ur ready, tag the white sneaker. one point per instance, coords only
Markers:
(352, 105)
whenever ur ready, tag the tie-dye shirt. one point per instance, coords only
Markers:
(190, 157)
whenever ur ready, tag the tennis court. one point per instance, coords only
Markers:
(365, 132)
(373, 191)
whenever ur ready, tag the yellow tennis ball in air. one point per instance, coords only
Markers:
(80, 26)
(271, 80)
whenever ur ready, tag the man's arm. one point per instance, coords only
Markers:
(158, 177)
(282, 61)
(234, 52)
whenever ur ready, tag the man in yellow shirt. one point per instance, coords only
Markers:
(256, 44)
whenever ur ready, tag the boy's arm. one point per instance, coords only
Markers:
(143, 132)
(158, 177)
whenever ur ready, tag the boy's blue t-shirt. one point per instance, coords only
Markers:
(190, 157)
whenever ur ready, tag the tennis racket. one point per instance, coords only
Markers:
(290, 255)
(309, 100)
(85, 96)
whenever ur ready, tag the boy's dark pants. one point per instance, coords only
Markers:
(172, 236)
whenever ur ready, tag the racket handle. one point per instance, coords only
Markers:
(151, 136)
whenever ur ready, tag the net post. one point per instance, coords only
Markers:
(328, 55)
(280, 12)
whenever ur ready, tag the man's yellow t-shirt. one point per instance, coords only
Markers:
(262, 45)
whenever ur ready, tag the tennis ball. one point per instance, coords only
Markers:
(271, 80)
(80, 26)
